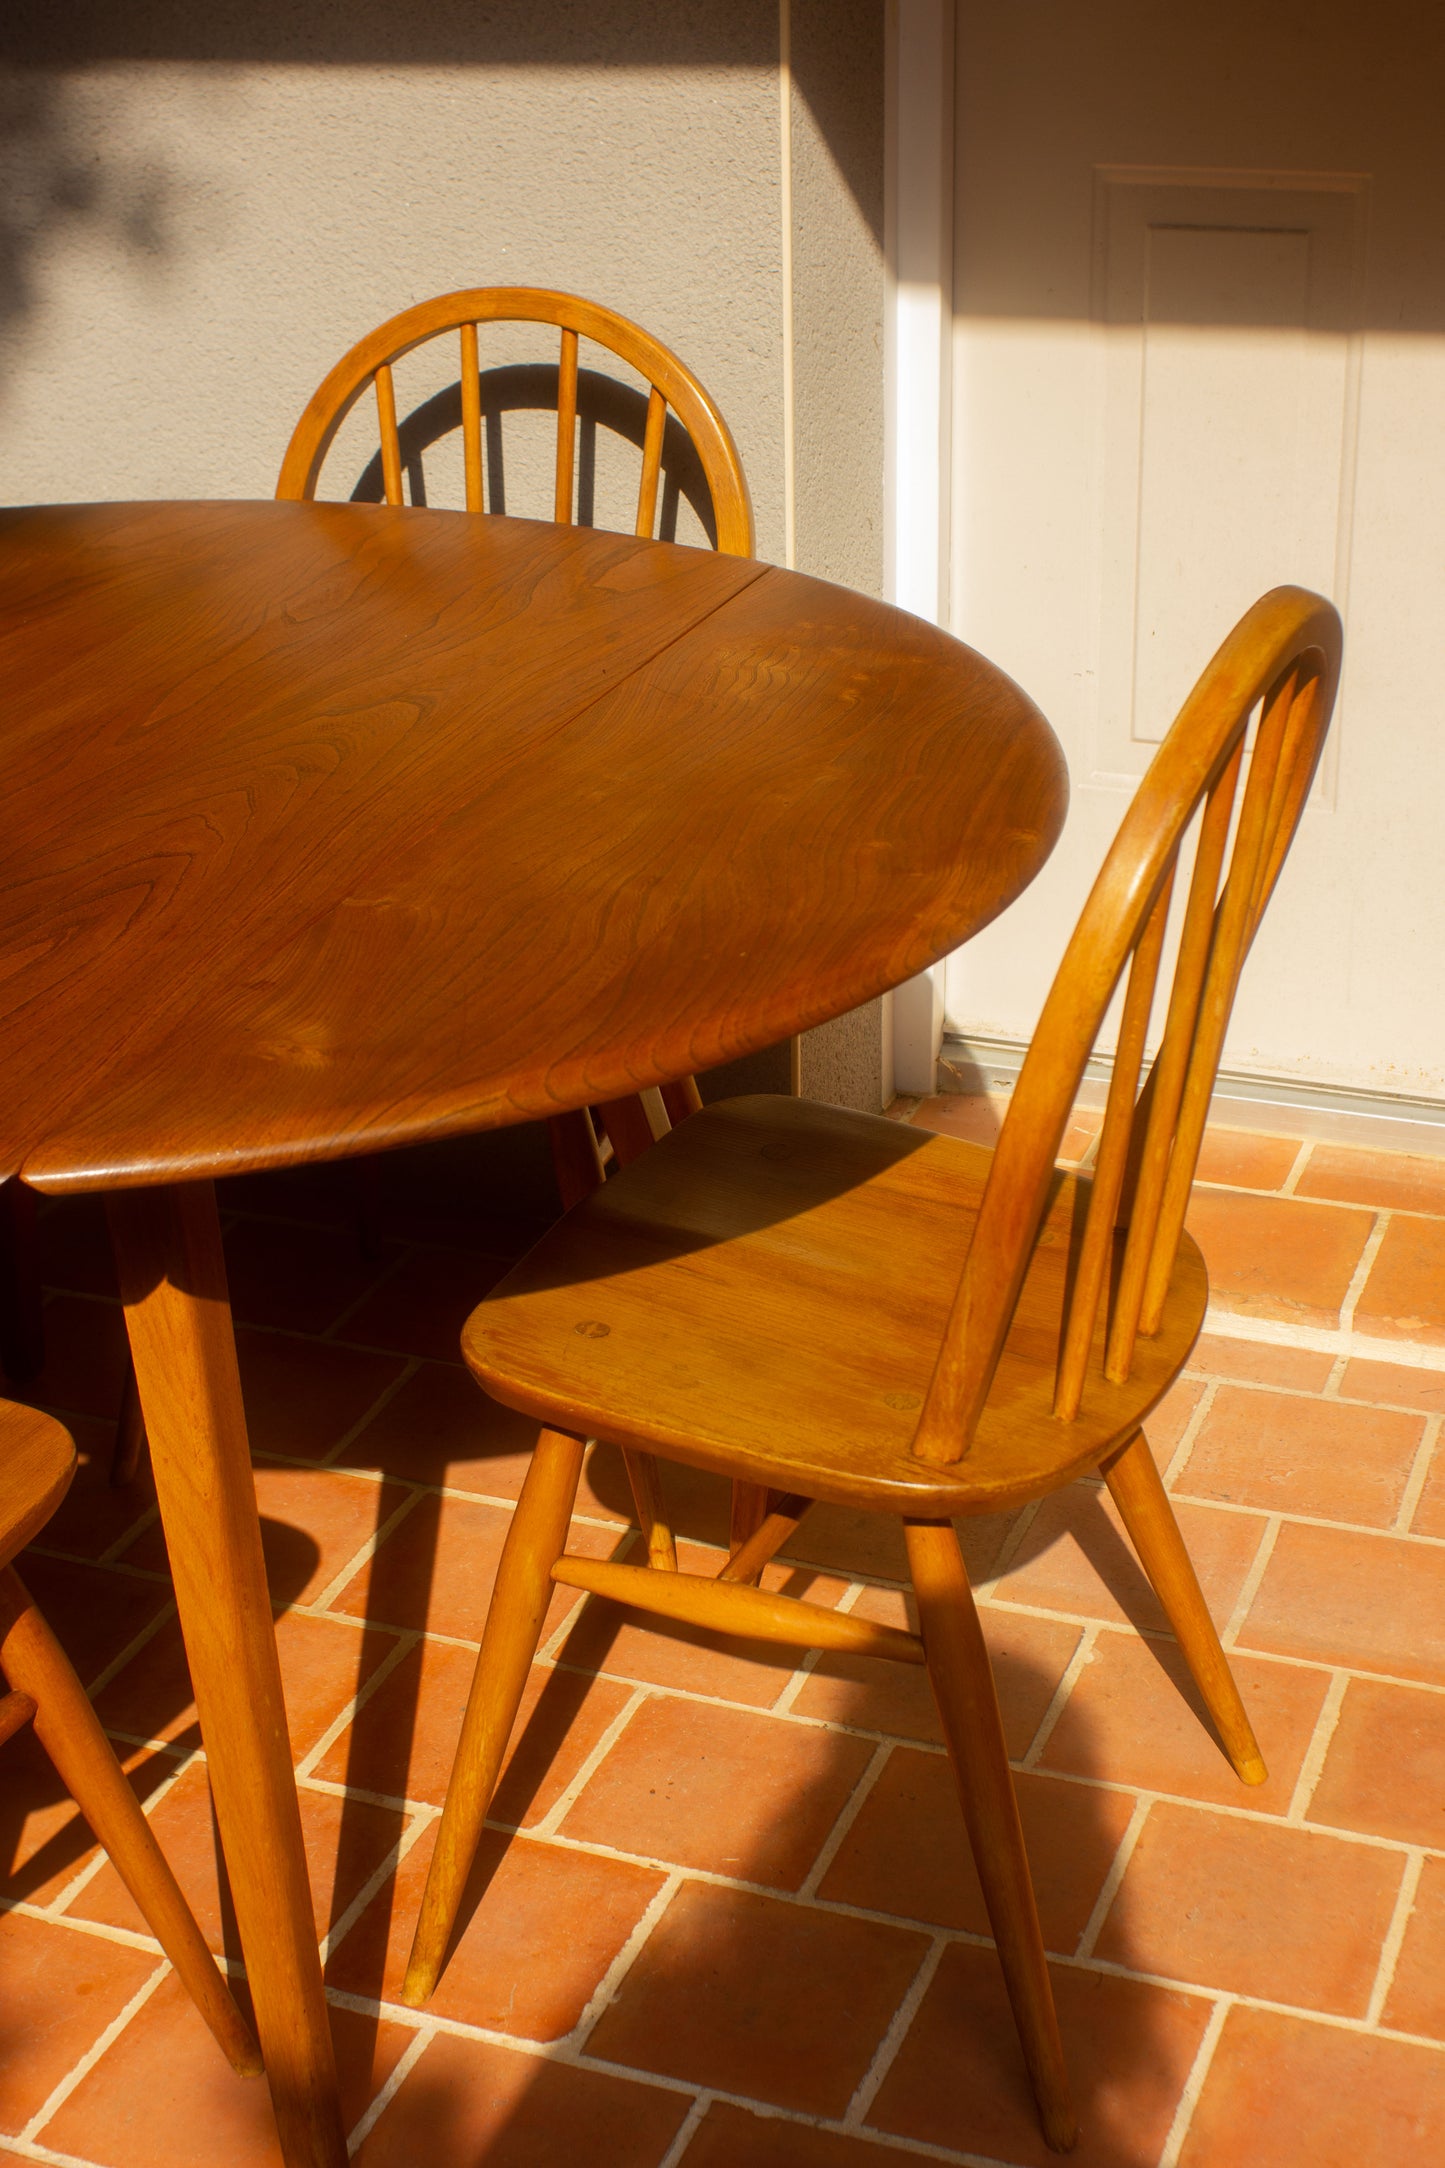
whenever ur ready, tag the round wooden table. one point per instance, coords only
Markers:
(333, 827)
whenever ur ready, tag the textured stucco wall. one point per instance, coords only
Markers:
(201, 209)
(837, 190)
(211, 233)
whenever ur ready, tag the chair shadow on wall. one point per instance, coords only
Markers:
(604, 404)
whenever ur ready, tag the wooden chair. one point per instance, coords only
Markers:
(629, 1125)
(37, 1461)
(672, 384)
(830, 1305)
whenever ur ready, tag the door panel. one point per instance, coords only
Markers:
(1180, 376)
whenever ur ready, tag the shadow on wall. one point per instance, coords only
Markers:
(528, 388)
(60, 172)
(56, 180)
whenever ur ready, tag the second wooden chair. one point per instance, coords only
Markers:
(632, 1124)
(833, 1306)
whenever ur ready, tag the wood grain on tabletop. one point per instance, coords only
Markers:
(341, 825)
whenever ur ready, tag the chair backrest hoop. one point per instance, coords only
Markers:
(1285, 653)
(369, 362)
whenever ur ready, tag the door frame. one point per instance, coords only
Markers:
(917, 403)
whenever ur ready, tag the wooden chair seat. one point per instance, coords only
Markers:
(37, 1461)
(765, 1293)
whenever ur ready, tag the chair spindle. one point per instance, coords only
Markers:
(472, 417)
(390, 441)
(1113, 1158)
(651, 462)
(1171, 1063)
(566, 426)
(1235, 919)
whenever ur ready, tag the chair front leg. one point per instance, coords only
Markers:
(535, 1541)
(1137, 1489)
(962, 1679)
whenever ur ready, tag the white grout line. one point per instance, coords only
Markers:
(687, 2131)
(885, 2054)
(132, 1648)
(34, 2149)
(1013, 1543)
(410, 1835)
(1288, 1186)
(797, 1680)
(1252, 1580)
(146, 1518)
(410, 1366)
(85, 1875)
(567, 2051)
(362, 1556)
(1333, 1833)
(372, 1684)
(1202, 1373)
(852, 1807)
(564, 2052)
(60, 2093)
(411, 2055)
(1093, 1926)
(1197, 1417)
(1395, 1935)
(428, 1810)
(1226, 1324)
(156, 1577)
(1083, 1654)
(572, 1791)
(1312, 1767)
(1332, 2018)
(606, 1989)
(1307, 1520)
(405, 1251)
(1330, 1390)
(1194, 2083)
(1363, 1270)
(1415, 1481)
(94, 1930)
(808, 1663)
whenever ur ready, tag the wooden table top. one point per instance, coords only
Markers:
(329, 827)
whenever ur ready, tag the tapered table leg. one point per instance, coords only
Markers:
(173, 1282)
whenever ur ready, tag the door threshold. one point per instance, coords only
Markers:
(1273, 1106)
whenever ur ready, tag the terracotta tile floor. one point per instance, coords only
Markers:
(739, 1927)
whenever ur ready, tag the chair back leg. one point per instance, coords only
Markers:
(1138, 1491)
(535, 1541)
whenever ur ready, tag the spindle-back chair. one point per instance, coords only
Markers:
(631, 1124)
(671, 384)
(833, 1306)
(37, 1461)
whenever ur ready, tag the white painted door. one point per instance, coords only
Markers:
(1199, 311)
